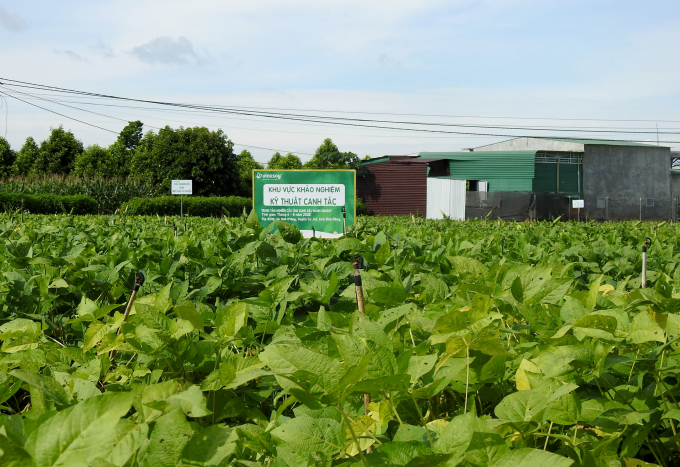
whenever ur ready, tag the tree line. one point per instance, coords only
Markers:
(196, 153)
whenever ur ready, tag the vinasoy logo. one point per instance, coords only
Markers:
(268, 176)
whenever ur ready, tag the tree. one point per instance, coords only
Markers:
(7, 158)
(246, 164)
(26, 156)
(198, 154)
(327, 156)
(92, 162)
(288, 162)
(57, 153)
(131, 135)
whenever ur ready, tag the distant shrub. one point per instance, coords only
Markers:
(110, 193)
(231, 206)
(49, 204)
(362, 209)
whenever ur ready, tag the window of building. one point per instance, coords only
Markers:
(601, 203)
(650, 201)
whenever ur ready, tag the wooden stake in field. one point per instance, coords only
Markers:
(139, 281)
(344, 221)
(358, 266)
(643, 280)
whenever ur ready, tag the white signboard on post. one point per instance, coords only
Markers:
(181, 187)
(578, 203)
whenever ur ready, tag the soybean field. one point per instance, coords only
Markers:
(482, 343)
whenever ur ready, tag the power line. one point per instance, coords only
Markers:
(402, 114)
(334, 120)
(208, 114)
(317, 119)
(111, 131)
(62, 115)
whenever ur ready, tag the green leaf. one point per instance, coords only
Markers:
(253, 222)
(527, 457)
(94, 334)
(307, 435)
(169, 436)
(46, 384)
(382, 254)
(231, 319)
(190, 401)
(208, 447)
(517, 289)
(418, 366)
(80, 433)
(127, 440)
(383, 384)
(388, 316)
(152, 318)
(522, 406)
(189, 313)
(163, 302)
(12, 455)
(389, 296)
(58, 284)
(289, 232)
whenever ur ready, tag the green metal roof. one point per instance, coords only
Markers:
(486, 165)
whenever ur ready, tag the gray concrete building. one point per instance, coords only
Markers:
(617, 180)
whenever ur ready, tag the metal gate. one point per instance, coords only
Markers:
(445, 197)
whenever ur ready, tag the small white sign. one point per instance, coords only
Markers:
(578, 203)
(181, 187)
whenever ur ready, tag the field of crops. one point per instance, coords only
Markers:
(483, 343)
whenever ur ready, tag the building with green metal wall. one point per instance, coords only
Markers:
(538, 171)
(618, 180)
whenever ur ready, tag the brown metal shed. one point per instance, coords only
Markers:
(397, 185)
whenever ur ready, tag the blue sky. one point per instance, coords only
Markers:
(517, 58)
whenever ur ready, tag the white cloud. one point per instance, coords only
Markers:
(166, 50)
(12, 21)
(103, 49)
(387, 61)
(72, 55)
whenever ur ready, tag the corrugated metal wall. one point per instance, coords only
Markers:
(504, 170)
(445, 197)
(397, 186)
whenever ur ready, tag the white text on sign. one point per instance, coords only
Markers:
(304, 195)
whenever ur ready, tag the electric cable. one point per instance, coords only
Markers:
(409, 114)
(342, 120)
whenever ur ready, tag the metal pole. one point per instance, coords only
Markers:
(672, 206)
(569, 207)
(181, 206)
(606, 205)
(344, 221)
(356, 270)
(643, 281)
(640, 208)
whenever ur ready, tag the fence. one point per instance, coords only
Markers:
(504, 205)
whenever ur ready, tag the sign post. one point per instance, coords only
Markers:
(312, 200)
(578, 204)
(181, 188)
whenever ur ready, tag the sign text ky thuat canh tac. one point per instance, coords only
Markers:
(312, 200)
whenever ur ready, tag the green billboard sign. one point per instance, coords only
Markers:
(312, 200)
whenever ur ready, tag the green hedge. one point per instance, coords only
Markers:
(193, 206)
(49, 204)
